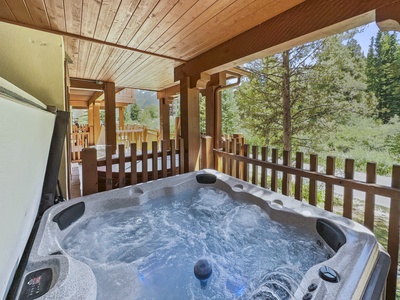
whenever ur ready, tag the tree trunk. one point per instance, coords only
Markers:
(287, 118)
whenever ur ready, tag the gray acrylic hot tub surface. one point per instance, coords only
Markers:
(142, 243)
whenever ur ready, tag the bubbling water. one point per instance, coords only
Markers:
(148, 251)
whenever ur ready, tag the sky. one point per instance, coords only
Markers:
(364, 38)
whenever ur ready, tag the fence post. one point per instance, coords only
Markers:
(207, 158)
(285, 176)
(133, 163)
(298, 186)
(264, 157)
(173, 158)
(154, 152)
(348, 192)
(393, 236)
(312, 197)
(164, 148)
(109, 179)
(239, 165)
(89, 171)
(181, 156)
(145, 175)
(274, 174)
(233, 161)
(121, 165)
(329, 190)
(246, 153)
(254, 175)
(369, 213)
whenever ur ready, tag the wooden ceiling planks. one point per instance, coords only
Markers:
(56, 12)
(175, 28)
(20, 11)
(142, 12)
(73, 16)
(121, 19)
(107, 15)
(38, 13)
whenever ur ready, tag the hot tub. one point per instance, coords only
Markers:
(143, 241)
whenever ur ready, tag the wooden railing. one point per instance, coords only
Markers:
(235, 159)
(115, 172)
(79, 140)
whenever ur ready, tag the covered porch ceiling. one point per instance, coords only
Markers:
(151, 44)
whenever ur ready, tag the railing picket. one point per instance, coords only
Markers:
(226, 161)
(246, 153)
(181, 156)
(173, 158)
(133, 164)
(89, 171)
(239, 165)
(121, 166)
(109, 181)
(154, 160)
(329, 190)
(393, 236)
(164, 148)
(145, 175)
(254, 175)
(285, 176)
(348, 192)
(233, 161)
(274, 173)
(298, 186)
(312, 197)
(369, 214)
(264, 157)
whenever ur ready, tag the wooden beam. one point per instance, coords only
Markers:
(95, 96)
(169, 92)
(111, 134)
(388, 17)
(78, 104)
(190, 125)
(86, 84)
(308, 21)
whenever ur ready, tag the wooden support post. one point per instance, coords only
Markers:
(96, 123)
(238, 163)
(89, 171)
(226, 160)
(393, 236)
(177, 131)
(121, 122)
(233, 161)
(348, 192)
(181, 156)
(164, 120)
(109, 102)
(329, 190)
(91, 123)
(286, 177)
(190, 124)
(246, 153)
(207, 158)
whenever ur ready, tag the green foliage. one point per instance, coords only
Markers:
(230, 112)
(134, 112)
(327, 84)
(383, 64)
(150, 117)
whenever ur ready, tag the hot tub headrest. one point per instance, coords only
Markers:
(206, 178)
(331, 234)
(69, 215)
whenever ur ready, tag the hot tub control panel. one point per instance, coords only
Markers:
(36, 284)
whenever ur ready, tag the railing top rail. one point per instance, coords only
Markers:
(370, 188)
